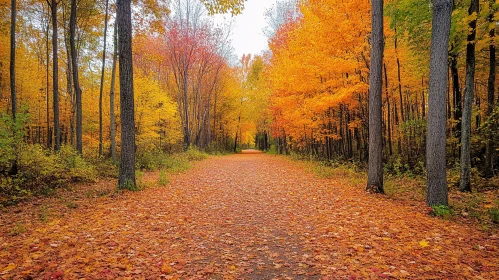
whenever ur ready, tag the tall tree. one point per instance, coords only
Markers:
(465, 162)
(112, 95)
(375, 172)
(436, 180)
(55, 75)
(489, 150)
(127, 162)
(13, 96)
(76, 81)
(102, 79)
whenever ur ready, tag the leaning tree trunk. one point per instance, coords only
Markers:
(375, 172)
(55, 76)
(127, 165)
(489, 150)
(436, 180)
(465, 162)
(102, 79)
(111, 96)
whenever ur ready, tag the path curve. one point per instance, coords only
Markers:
(247, 216)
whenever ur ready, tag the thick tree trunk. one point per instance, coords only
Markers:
(375, 172)
(55, 76)
(465, 162)
(489, 150)
(112, 123)
(102, 80)
(76, 82)
(436, 180)
(127, 163)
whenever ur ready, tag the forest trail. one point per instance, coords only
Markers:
(244, 216)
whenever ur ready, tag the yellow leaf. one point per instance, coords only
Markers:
(233, 267)
(423, 243)
(9, 267)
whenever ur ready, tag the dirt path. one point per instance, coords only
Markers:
(246, 216)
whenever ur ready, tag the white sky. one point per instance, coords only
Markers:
(247, 35)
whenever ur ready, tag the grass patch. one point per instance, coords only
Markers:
(18, 229)
(44, 214)
(163, 178)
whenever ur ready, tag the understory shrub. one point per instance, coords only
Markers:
(40, 170)
(157, 159)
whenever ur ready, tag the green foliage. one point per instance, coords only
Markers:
(11, 136)
(157, 159)
(71, 205)
(44, 214)
(130, 186)
(494, 215)
(41, 172)
(75, 166)
(441, 211)
(140, 183)
(18, 228)
(163, 178)
(193, 154)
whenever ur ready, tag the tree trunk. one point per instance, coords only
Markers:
(55, 76)
(112, 123)
(465, 162)
(127, 163)
(456, 93)
(13, 96)
(489, 150)
(436, 180)
(76, 82)
(49, 135)
(102, 79)
(375, 172)
(389, 114)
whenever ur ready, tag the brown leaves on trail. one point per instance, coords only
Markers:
(247, 216)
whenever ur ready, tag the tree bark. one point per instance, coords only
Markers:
(76, 82)
(436, 180)
(375, 172)
(456, 93)
(13, 96)
(112, 95)
(389, 114)
(465, 162)
(49, 135)
(55, 75)
(127, 162)
(489, 148)
(102, 79)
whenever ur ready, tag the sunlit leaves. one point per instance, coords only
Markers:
(223, 6)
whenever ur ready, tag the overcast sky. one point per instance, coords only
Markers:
(247, 35)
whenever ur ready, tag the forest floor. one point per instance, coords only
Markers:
(244, 216)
